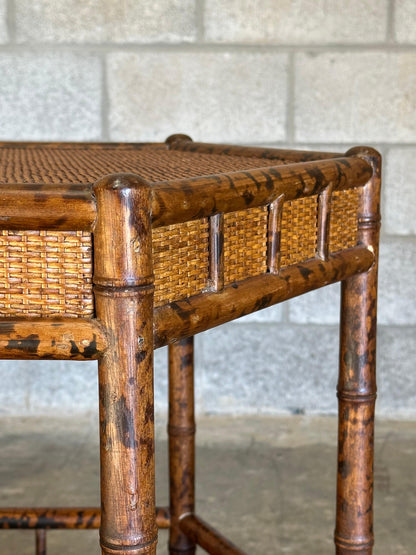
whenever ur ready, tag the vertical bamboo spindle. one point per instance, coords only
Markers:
(123, 287)
(216, 252)
(324, 214)
(40, 542)
(357, 383)
(274, 229)
(181, 430)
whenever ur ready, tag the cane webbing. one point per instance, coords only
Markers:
(46, 273)
(344, 220)
(40, 284)
(299, 230)
(245, 244)
(180, 260)
(76, 165)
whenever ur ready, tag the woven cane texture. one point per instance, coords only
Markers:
(46, 273)
(245, 244)
(38, 280)
(344, 220)
(299, 230)
(180, 260)
(75, 165)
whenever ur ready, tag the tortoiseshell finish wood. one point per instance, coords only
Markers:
(207, 537)
(64, 207)
(181, 319)
(60, 518)
(181, 430)
(124, 326)
(357, 383)
(324, 215)
(216, 252)
(52, 338)
(183, 142)
(123, 287)
(274, 234)
(40, 542)
(181, 200)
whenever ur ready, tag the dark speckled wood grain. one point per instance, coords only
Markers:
(64, 188)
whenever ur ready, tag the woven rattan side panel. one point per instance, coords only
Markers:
(49, 273)
(299, 230)
(180, 260)
(245, 244)
(46, 273)
(344, 219)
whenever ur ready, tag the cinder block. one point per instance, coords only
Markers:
(355, 97)
(161, 380)
(295, 22)
(400, 192)
(281, 368)
(61, 386)
(317, 307)
(268, 315)
(295, 369)
(64, 387)
(212, 96)
(3, 22)
(98, 21)
(50, 97)
(405, 21)
(397, 299)
(396, 376)
(14, 397)
(239, 369)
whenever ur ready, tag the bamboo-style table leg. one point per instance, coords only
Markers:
(181, 429)
(123, 286)
(357, 386)
(40, 542)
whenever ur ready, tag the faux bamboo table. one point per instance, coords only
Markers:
(109, 251)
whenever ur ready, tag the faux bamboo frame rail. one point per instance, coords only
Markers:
(105, 230)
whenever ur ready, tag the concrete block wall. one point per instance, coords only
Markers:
(299, 73)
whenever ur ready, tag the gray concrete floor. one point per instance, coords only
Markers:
(267, 482)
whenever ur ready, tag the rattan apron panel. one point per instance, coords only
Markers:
(299, 230)
(344, 224)
(45, 273)
(180, 260)
(245, 244)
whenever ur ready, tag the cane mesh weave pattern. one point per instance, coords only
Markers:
(299, 230)
(76, 165)
(46, 273)
(180, 260)
(344, 220)
(36, 283)
(245, 244)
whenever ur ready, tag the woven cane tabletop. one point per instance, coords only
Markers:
(68, 164)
